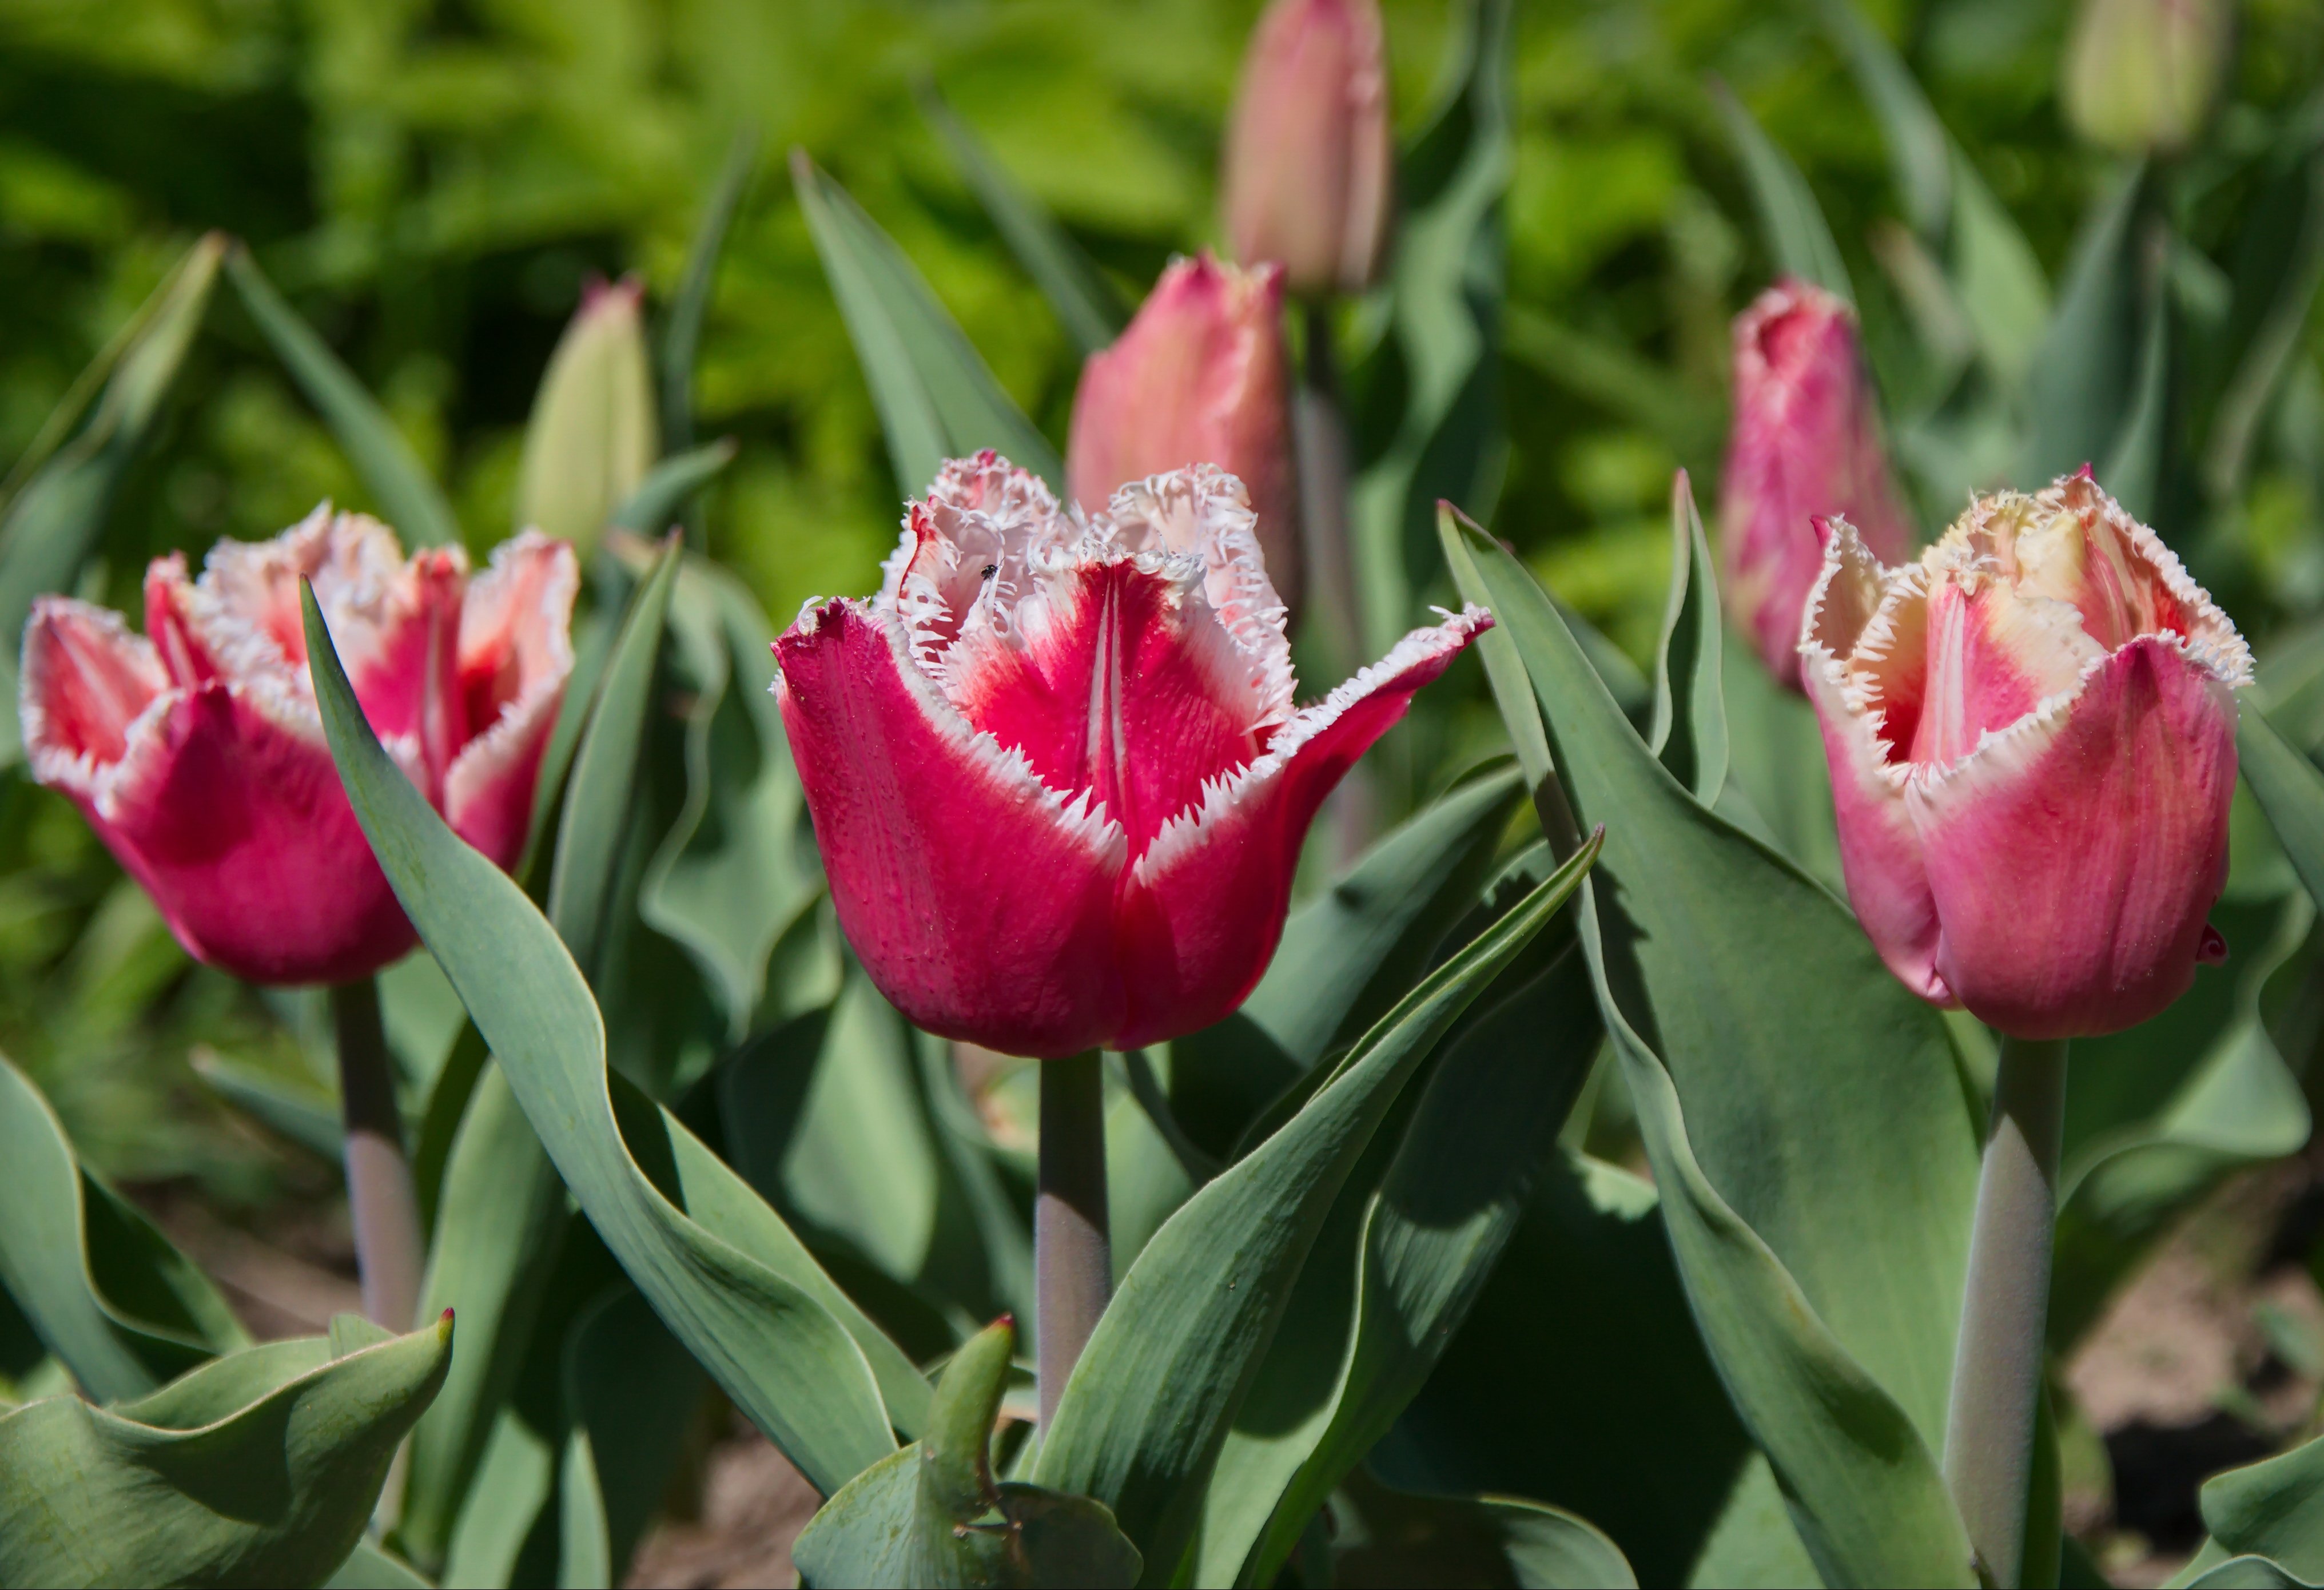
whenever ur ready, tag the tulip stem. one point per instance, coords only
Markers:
(1073, 1253)
(1998, 1359)
(1335, 620)
(380, 1201)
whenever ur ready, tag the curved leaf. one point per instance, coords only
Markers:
(670, 485)
(1791, 222)
(681, 329)
(1152, 1397)
(2083, 379)
(264, 1475)
(719, 1266)
(2291, 792)
(1689, 724)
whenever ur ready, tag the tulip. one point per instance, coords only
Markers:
(1199, 377)
(2140, 74)
(1805, 442)
(1309, 163)
(1055, 769)
(2032, 735)
(592, 435)
(197, 754)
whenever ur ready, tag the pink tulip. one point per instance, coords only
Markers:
(1805, 443)
(2031, 734)
(197, 754)
(1056, 773)
(1309, 160)
(1198, 378)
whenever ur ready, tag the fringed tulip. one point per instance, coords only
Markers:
(196, 751)
(1309, 158)
(1805, 445)
(1055, 768)
(2031, 733)
(1199, 377)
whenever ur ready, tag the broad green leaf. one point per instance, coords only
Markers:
(301, 1109)
(2290, 791)
(1430, 1239)
(591, 435)
(632, 1394)
(2271, 1511)
(1826, 1280)
(933, 1514)
(1690, 724)
(1778, 786)
(228, 1480)
(1623, 1379)
(736, 870)
(681, 329)
(55, 521)
(122, 1308)
(1345, 958)
(1085, 302)
(1445, 308)
(1154, 1393)
(936, 398)
(1919, 149)
(720, 1267)
(663, 496)
(2083, 379)
(1791, 222)
(407, 497)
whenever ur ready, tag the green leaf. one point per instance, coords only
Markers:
(301, 1110)
(2084, 377)
(1444, 308)
(1153, 1395)
(1690, 724)
(57, 518)
(368, 1568)
(671, 484)
(632, 1394)
(1778, 786)
(726, 1274)
(1085, 302)
(1826, 1282)
(2279, 261)
(1919, 148)
(1996, 277)
(681, 330)
(1791, 223)
(407, 497)
(220, 1479)
(118, 1306)
(932, 1515)
(1401, 1536)
(2271, 1509)
(936, 398)
(1431, 1236)
(2290, 791)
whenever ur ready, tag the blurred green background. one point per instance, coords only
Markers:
(432, 181)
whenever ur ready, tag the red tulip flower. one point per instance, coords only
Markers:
(2031, 733)
(1057, 775)
(1200, 377)
(1805, 445)
(196, 751)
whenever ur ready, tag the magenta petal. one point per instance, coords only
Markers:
(514, 656)
(1206, 903)
(980, 901)
(2074, 859)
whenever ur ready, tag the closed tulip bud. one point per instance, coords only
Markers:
(1198, 378)
(1056, 776)
(592, 435)
(2031, 733)
(1804, 443)
(196, 753)
(2140, 74)
(1310, 166)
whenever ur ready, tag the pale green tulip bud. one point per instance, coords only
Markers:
(2140, 74)
(592, 437)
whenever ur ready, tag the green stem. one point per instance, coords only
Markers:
(380, 1201)
(1998, 1360)
(1334, 620)
(1072, 1254)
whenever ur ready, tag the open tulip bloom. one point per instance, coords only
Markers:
(2031, 734)
(196, 751)
(1057, 775)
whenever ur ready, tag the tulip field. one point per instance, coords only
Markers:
(1230, 792)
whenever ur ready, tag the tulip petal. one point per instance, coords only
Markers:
(87, 680)
(1205, 902)
(980, 898)
(515, 655)
(2074, 857)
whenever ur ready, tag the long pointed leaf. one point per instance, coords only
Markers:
(681, 332)
(1791, 222)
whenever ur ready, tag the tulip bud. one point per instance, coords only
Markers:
(1804, 442)
(593, 435)
(1309, 160)
(196, 753)
(1198, 378)
(2140, 74)
(2031, 734)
